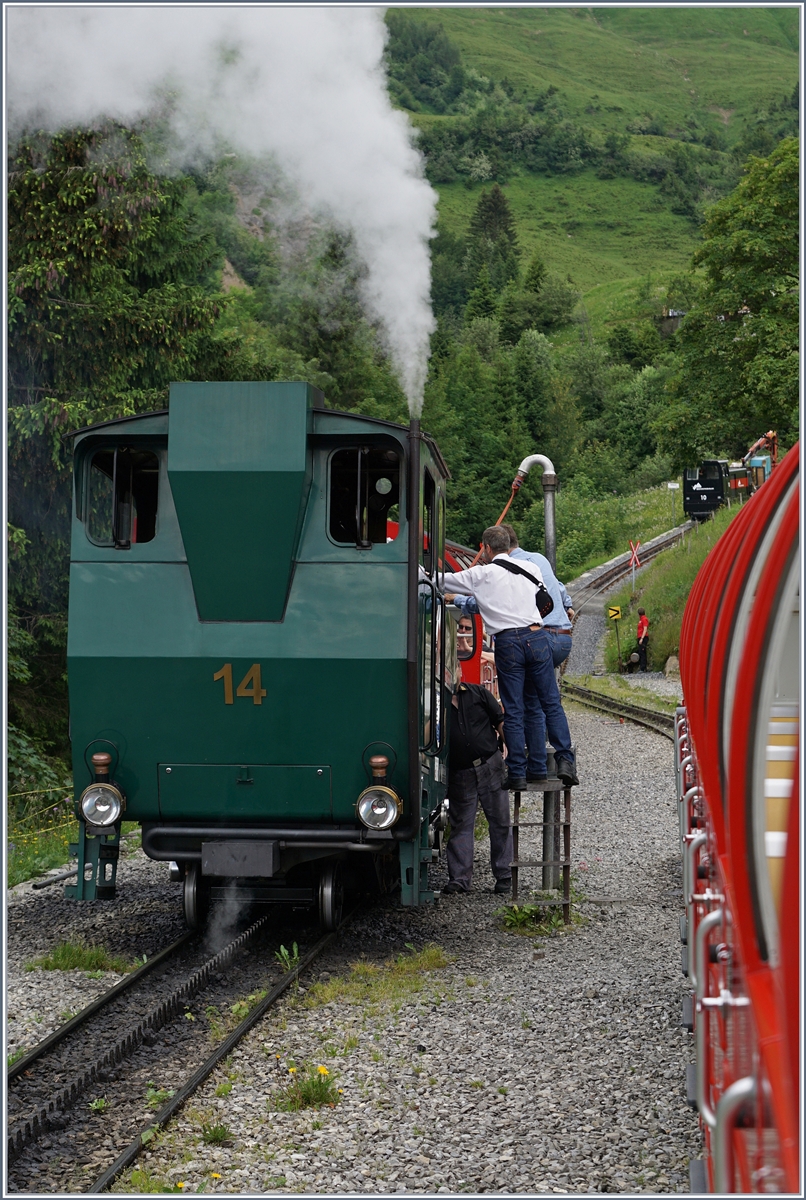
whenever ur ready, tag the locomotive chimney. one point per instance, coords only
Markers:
(413, 695)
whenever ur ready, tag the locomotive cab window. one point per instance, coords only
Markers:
(364, 494)
(121, 497)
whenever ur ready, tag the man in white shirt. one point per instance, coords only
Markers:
(558, 625)
(522, 652)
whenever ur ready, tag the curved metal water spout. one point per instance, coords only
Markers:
(549, 488)
(536, 460)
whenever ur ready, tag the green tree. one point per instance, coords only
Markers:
(470, 408)
(534, 383)
(555, 302)
(104, 310)
(519, 310)
(739, 343)
(483, 301)
(589, 370)
(636, 345)
(449, 290)
(321, 316)
(535, 275)
(493, 239)
(424, 65)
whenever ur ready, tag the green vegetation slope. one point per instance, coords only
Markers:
(611, 129)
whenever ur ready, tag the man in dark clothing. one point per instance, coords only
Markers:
(476, 775)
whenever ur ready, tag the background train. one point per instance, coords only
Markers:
(716, 481)
(256, 666)
(737, 762)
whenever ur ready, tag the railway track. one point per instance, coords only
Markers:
(593, 584)
(64, 1031)
(205, 1070)
(87, 1099)
(658, 722)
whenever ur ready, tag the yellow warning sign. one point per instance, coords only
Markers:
(614, 612)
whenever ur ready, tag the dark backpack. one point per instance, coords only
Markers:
(543, 600)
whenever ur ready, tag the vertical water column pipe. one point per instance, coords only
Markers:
(551, 800)
(549, 490)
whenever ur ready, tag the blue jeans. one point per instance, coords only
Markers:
(524, 657)
(534, 719)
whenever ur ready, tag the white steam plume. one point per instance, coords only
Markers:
(303, 84)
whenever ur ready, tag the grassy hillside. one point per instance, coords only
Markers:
(712, 84)
(625, 63)
(596, 231)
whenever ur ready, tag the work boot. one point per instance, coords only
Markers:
(567, 772)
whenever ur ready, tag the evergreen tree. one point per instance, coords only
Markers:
(493, 239)
(535, 275)
(534, 378)
(518, 311)
(424, 65)
(483, 301)
(493, 219)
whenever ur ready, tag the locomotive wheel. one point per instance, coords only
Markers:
(331, 897)
(195, 897)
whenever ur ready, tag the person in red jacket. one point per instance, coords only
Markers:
(643, 638)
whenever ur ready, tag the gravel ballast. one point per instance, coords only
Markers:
(552, 1064)
(144, 917)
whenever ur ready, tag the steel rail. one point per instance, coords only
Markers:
(58, 1035)
(30, 1128)
(658, 722)
(621, 568)
(208, 1066)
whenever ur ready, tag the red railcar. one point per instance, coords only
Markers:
(737, 756)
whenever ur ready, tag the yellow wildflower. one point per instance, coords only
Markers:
(323, 1070)
(215, 1175)
(292, 1070)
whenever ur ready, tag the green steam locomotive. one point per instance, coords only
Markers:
(258, 648)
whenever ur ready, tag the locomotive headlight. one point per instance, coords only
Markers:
(378, 807)
(101, 804)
